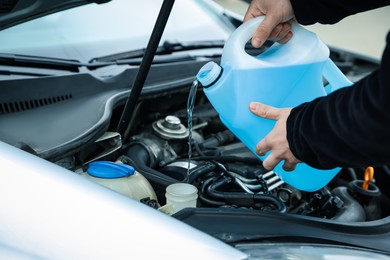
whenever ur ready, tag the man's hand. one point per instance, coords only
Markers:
(276, 140)
(275, 25)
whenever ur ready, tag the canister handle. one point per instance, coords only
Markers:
(334, 76)
(289, 53)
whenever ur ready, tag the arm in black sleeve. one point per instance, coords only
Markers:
(331, 11)
(348, 128)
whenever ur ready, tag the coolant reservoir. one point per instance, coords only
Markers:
(121, 178)
(285, 75)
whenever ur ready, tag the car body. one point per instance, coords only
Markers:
(69, 70)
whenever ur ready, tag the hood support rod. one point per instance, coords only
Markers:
(144, 68)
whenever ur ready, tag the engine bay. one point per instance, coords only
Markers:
(225, 173)
(228, 175)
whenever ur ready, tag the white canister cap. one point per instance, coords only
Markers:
(209, 74)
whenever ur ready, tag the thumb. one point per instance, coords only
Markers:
(264, 111)
(264, 30)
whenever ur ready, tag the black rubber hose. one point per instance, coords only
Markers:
(386, 170)
(352, 173)
(212, 188)
(199, 171)
(202, 197)
(218, 139)
(273, 200)
(139, 158)
(229, 158)
(240, 198)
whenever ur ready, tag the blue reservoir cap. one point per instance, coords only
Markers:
(109, 170)
(209, 74)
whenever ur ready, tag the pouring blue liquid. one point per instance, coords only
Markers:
(283, 76)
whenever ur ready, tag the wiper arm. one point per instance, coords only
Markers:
(133, 57)
(26, 61)
(17, 60)
(167, 47)
(22, 73)
(137, 61)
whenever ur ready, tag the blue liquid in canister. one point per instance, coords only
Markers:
(284, 76)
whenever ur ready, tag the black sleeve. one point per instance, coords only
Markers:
(348, 128)
(331, 11)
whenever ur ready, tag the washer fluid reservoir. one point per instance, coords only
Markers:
(285, 75)
(121, 178)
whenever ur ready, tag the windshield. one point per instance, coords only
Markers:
(96, 30)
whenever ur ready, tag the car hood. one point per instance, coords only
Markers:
(14, 12)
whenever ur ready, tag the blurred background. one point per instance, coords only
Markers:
(363, 33)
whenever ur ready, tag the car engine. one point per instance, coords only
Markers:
(225, 173)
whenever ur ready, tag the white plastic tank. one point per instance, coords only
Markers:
(122, 178)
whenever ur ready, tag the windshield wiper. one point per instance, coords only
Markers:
(168, 47)
(26, 61)
(22, 73)
(17, 60)
(137, 61)
(133, 57)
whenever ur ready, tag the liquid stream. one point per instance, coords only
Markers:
(190, 109)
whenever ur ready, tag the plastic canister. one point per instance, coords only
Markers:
(181, 195)
(285, 75)
(121, 178)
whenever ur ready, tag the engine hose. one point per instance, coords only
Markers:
(352, 173)
(386, 170)
(218, 139)
(229, 158)
(139, 158)
(198, 150)
(199, 171)
(240, 198)
(202, 197)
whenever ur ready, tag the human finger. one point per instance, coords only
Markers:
(286, 29)
(275, 32)
(286, 38)
(280, 32)
(289, 166)
(265, 111)
(264, 30)
(263, 147)
(270, 162)
(252, 12)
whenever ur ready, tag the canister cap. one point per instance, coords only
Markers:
(109, 170)
(209, 74)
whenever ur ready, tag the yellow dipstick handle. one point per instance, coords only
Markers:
(368, 176)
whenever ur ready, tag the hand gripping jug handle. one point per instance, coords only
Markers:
(285, 75)
(234, 52)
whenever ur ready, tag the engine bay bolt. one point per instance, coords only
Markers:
(170, 128)
(172, 122)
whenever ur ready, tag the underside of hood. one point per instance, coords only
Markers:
(14, 12)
